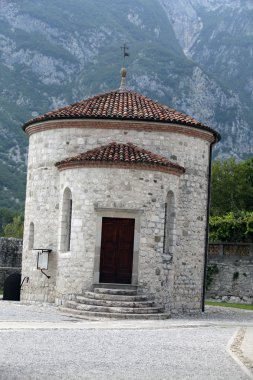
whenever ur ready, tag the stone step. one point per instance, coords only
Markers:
(98, 315)
(119, 292)
(99, 302)
(115, 286)
(112, 297)
(113, 309)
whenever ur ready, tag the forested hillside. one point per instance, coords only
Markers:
(194, 55)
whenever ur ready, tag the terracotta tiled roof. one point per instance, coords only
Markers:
(123, 105)
(126, 155)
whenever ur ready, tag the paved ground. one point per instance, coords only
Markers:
(40, 343)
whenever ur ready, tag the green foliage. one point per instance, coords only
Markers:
(234, 305)
(15, 228)
(12, 185)
(232, 201)
(6, 216)
(212, 269)
(231, 227)
(232, 186)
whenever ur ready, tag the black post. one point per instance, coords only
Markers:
(207, 225)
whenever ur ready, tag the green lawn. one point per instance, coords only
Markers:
(1, 291)
(235, 305)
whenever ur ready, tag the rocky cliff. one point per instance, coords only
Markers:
(194, 55)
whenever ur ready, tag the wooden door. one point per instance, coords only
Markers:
(116, 257)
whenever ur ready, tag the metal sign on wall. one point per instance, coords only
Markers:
(42, 260)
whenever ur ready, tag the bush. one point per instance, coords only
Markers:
(231, 227)
(15, 228)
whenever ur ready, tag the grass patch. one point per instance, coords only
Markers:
(1, 291)
(234, 305)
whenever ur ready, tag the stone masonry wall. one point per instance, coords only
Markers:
(95, 192)
(10, 257)
(44, 199)
(232, 280)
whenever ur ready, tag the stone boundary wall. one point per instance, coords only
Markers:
(231, 281)
(10, 257)
(230, 249)
(232, 272)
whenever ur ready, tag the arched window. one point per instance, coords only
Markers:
(169, 223)
(66, 220)
(31, 236)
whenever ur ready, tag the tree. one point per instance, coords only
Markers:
(6, 216)
(232, 227)
(231, 186)
(15, 228)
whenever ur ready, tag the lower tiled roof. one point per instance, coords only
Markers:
(121, 155)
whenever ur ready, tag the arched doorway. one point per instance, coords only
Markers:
(12, 287)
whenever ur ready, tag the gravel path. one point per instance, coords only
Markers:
(40, 343)
(16, 311)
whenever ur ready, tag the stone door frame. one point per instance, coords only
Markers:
(117, 213)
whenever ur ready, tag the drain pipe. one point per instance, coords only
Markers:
(26, 278)
(207, 224)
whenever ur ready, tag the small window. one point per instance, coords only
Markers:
(169, 223)
(31, 236)
(66, 220)
(69, 224)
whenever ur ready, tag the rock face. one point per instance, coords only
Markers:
(217, 36)
(191, 55)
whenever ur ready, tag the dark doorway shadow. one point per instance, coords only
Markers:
(12, 287)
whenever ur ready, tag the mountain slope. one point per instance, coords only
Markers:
(56, 53)
(218, 36)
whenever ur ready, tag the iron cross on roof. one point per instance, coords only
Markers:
(125, 49)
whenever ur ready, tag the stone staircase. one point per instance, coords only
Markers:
(116, 302)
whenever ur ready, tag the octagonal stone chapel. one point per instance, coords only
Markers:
(117, 207)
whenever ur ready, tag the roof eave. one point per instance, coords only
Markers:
(174, 169)
(198, 126)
